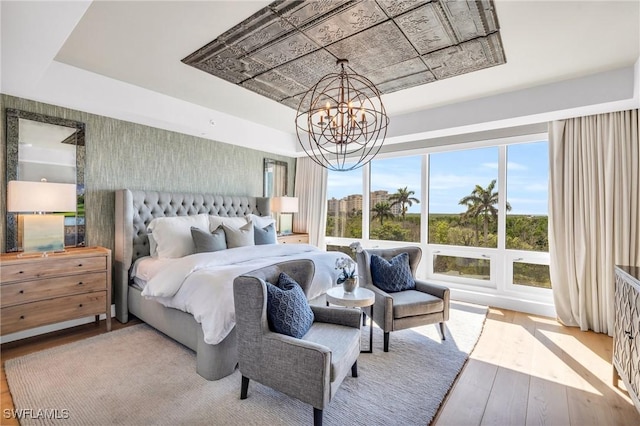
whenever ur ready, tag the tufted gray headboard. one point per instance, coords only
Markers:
(136, 209)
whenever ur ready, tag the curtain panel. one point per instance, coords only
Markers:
(594, 213)
(311, 190)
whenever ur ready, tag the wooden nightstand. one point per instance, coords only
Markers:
(38, 291)
(293, 239)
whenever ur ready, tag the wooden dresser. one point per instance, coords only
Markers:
(626, 331)
(37, 291)
(293, 239)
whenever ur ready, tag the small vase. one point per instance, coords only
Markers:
(350, 284)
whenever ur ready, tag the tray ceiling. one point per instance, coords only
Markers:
(286, 47)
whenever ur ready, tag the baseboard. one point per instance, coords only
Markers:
(52, 327)
(505, 302)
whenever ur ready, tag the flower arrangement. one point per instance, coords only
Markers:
(348, 267)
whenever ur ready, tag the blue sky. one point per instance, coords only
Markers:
(454, 174)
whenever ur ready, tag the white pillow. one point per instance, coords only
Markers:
(261, 221)
(173, 234)
(232, 222)
(239, 237)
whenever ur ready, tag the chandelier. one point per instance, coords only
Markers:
(341, 122)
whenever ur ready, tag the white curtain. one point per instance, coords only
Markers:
(594, 213)
(311, 190)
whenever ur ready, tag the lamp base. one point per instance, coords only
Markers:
(43, 233)
(286, 223)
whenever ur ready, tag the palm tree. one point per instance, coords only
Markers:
(382, 211)
(481, 202)
(404, 198)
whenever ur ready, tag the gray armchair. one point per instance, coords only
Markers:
(309, 369)
(427, 304)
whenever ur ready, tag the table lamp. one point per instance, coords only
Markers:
(41, 232)
(285, 206)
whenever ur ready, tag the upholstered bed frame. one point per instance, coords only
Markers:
(134, 212)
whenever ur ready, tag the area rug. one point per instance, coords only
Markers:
(137, 376)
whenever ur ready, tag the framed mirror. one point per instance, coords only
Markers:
(275, 178)
(40, 147)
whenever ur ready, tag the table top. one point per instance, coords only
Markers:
(360, 297)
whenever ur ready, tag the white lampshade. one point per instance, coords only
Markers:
(284, 204)
(29, 197)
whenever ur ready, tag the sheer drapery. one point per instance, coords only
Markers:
(594, 213)
(311, 190)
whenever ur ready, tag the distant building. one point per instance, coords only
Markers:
(353, 203)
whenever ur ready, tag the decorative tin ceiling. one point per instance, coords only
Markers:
(285, 48)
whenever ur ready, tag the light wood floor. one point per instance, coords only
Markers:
(525, 370)
(530, 370)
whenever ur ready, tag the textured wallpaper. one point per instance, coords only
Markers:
(121, 154)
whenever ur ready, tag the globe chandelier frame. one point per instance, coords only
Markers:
(341, 122)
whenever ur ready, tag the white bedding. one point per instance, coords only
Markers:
(202, 283)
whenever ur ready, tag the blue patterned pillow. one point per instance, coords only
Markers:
(394, 275)
(288, 310)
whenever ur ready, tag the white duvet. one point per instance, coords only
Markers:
(202, 284)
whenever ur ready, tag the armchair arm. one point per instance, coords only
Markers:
(336, 315)
(436, 290)
(433, 289)
(296, 367)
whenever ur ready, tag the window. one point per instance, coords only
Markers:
(394, 211)
(527, 196)
(530, 275)
(463, 198)
(344, 204)
(462, 267)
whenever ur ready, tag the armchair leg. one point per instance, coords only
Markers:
(244, 387)
(317, 417)
(442, 334)
(386, 341)
(354, 369)
(364, 319)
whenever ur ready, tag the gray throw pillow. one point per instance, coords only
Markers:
(206, 241)
(239, 237)
(266, 235)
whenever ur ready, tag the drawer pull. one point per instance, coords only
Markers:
(80, 283)
(80, 305)
(21, 272)
(79, 265)
(21, 292)
(21, 316)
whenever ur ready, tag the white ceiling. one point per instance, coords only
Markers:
(563, 57)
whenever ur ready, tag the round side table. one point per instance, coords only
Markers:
(359, 298)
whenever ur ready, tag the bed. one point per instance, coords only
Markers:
(210, 334)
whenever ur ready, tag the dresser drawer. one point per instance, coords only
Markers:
(29, 315)
(30, 291)
(294, 239)
(51, 267)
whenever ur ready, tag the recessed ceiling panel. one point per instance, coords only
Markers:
(285, 48)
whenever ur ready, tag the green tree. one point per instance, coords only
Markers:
(481, 203)
(390, 231)
(405, 199)
(382, 211)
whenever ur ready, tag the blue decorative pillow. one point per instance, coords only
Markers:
(288, 310)
(394, 275)
(266, 235)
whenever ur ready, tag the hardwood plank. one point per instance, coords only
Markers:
(507, 403)
(547, 403)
